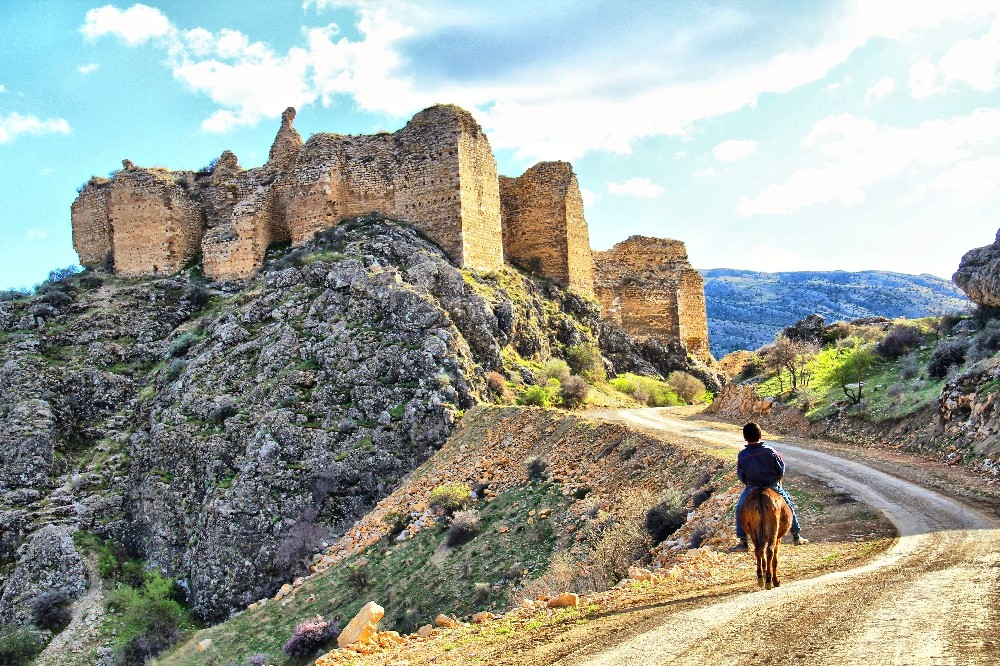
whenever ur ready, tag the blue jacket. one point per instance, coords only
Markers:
(758, 465)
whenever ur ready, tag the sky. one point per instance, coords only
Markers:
(766, 135)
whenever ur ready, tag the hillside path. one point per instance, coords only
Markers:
(932, 598)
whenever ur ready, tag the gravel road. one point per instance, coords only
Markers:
(933, 598)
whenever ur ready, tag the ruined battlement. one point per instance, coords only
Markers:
(648, 287)
(437, 173)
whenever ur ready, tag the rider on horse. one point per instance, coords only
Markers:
(760, 466)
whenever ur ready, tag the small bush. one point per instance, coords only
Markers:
(690, 388)
(574, 391)
(181, 345)
(18, 647)
(989, 338)
(585, 360)
(57, 298)
(51, 611)
(197, 296)
(541, 396)
(497, 385)
(175, 369)
(895, 390)
(983, 314)
(259, 659)
(652, 392)
(947, 322)
(359, 575)
(463, 529)
(947, 354)
(556, 369)
(537, 469)
(666, 516)
(220, 413)
(910, 367)
(449, 497)
(151, 626)
(310, 636)
(900, 340)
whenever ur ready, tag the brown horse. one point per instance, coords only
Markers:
(765, 517)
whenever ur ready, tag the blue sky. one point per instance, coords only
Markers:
(767, 135)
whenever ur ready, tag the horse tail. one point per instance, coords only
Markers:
(761, 537)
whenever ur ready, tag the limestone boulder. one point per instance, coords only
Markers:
(564, 600)
(363, 627)
(978, 274)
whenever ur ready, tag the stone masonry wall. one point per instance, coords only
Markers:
(156, 227)
(647, 287)
(544, 229)
(91, 223)
(437, 173)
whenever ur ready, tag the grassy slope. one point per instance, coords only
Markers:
(421, 576)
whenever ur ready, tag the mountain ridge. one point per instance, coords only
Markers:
(747, 308)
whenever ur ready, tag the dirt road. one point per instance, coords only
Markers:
(933, 598)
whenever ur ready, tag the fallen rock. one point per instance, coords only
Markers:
(204, 644)
(425, 631)
(363, 627)
(481, 616)
(564, 600)
(443, 620)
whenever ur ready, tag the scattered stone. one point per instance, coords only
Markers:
(363, 627)
(564, 600)
(481, 616)
(204, 644)
(425, 631)
(446, 622)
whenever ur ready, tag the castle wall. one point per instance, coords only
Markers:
(156, 226)
(437, 173)
(91, 224)
(543, 225)
(648, 287)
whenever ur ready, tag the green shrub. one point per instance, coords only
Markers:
(947, 354)
(50, 610)
(150, 616)
(449, 497)
(181, 345)
(175, 369)
(900, 340)
(652, 392)
(541, 396)
(359, 575)
(585, 360)
(18, 647)
(556, 369)
(690, 388)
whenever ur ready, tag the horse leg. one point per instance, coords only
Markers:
(774, 565)
(767, 565)
(758, 552)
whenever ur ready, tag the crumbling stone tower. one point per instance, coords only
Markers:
(544, 229)
(648, 287)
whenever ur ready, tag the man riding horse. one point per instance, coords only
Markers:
(760, 466)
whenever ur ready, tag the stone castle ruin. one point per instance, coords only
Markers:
(437, 173)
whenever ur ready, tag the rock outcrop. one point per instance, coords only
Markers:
(978, 274)
(223, 433)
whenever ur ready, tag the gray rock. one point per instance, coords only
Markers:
(978, 274)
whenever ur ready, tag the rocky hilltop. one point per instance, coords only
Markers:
(225, 431)
(746, 308)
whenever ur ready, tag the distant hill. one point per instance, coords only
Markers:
(746, 308)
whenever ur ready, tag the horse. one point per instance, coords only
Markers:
(765, 517)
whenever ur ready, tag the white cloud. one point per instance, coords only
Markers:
(709, 172)
(589, 198)
(35, 234)
(536, 115)
(973, 62)
(734, 150)
(882, 89)
(136, 25)
(88, 68)
(856, 153)
(2, 89)
(970, 181)
(14, 124)
(636, 187)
